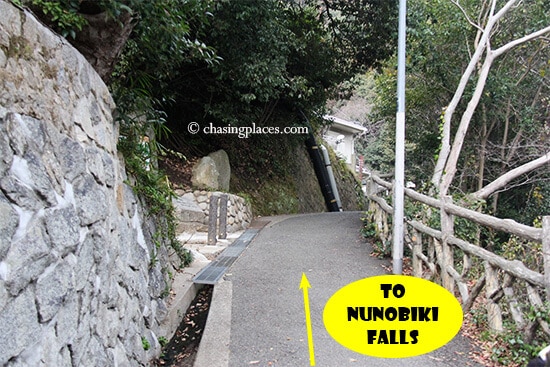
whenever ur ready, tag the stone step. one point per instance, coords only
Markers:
(189, 216)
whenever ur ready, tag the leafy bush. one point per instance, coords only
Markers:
(61, 15)
(510, 348)
(140, 150)
(529, 252)
(381, 246)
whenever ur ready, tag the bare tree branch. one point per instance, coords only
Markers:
(466, 76)
(475, 25)
(503, 180)
(521, 40)
(449, 161)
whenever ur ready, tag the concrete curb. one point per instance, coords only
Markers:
(184, 292)
(214, 346)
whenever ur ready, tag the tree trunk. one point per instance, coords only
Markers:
(102, 40)
(449, 112)
(446, 165)
(451, 164)
(502, 151)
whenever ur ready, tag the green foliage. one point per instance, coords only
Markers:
(62, 15)
(510, 348)
(252, 40)
(529, 252)
(362, 85)
(313, 64)
(479, 318)
(379, 154)
(381, 246)
(271, 196)
(166, 36)
(145, 343)
(276, 198)
(271, 53)
(364, 32)
(151, 185)
(274, 55)
(440, 42)
(369, 228)
(163, 341)
(535, 200)
(262, 168)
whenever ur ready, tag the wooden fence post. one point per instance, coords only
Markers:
(515, 306)
(432, 256)
(546, 252)
(447, 230)
(371, 186)
(416, 250)
(494, 313)
(223, 216)
(213, 219)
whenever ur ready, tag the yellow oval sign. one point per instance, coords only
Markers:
(393, 316)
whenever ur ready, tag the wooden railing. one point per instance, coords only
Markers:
(510, 289)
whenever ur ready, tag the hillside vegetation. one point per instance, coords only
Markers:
(228, 63)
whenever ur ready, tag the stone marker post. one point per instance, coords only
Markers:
(213, 220)
(223, 217)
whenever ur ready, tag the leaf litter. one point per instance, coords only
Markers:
(182, 349)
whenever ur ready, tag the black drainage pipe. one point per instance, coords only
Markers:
(320, 170)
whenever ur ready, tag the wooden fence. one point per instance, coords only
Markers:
(511, 290)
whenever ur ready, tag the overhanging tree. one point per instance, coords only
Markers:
(497, 54)
(480, 65)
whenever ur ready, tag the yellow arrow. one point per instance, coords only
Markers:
(304, 284)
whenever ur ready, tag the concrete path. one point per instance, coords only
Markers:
(257, 313)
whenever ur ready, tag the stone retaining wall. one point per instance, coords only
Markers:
(239, 212)
(78, 286)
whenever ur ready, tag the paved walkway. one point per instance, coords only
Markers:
(257, 313)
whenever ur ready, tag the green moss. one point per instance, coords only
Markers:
(295, 188)
(349, 187)
(276, 197)
(153, 188)
(145, 343)
(19, 48)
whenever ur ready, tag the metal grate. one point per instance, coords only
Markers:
(213, 272)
